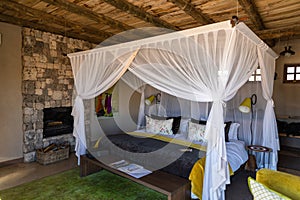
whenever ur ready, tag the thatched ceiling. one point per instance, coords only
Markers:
(97, 20)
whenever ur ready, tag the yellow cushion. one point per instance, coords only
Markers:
(281, 182)
(261, 192)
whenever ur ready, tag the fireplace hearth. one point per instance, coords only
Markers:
(57, 121)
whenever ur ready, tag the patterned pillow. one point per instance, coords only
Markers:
(196, 132)
(261, 192)
(159, 126)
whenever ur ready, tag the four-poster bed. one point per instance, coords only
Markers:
(205, 64)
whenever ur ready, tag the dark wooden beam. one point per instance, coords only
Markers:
(43, 27)
(45, 18)
(141, 14)
(191, 10)
(284, 32)
(85, 12)
(250, 9)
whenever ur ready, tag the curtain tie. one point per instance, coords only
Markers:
(272, 102)
(221, 102)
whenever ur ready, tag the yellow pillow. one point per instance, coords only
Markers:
(262, 192)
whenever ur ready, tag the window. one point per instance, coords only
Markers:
(291, 73)
(256, 75)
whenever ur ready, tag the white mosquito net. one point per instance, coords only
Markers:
(204, 64)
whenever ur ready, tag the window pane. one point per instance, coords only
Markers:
(297, 77)
(258, 78)
(298, 69)
(291, 70)
(290, 77)
(251, 78)
(258, 71)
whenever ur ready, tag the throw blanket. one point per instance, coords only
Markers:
(197, 175)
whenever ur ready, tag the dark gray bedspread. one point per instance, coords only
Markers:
(149, 151)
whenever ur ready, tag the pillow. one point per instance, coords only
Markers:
(226, 130)
(176, 123)
(262, 192)
(233, 131)
(196, 132)
(198, 121)
(159, 126)
(184, 124)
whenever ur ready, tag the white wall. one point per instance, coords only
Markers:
(126, 118)
(11, 134)
(286, 95)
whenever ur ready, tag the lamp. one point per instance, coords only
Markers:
(150, 99)
(287, 52)
(246, 106)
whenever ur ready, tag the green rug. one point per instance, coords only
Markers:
(69, 185)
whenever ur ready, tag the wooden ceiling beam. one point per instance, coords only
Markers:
(285, 32)
(125, 6)
(252, 12)
(43, 27)
(191, 10)
(45, 18)
(85, 12)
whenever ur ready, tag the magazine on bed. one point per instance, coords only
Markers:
(132, 169)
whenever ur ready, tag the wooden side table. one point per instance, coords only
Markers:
(261, 149)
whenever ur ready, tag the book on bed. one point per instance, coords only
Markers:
(132, 169)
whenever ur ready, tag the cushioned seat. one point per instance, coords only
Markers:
(281, 182)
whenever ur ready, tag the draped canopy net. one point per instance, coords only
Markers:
(204, 64)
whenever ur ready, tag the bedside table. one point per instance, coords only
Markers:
(261, 149)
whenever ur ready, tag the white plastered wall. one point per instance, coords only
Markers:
(11, 134)
(286, 95)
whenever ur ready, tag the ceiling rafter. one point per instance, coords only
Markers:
(141, 14)
(277, 33)
(85, 12)
(191, 10)
(250, 9)
(44, 17)
(43, 27)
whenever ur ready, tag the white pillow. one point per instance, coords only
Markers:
(184, 124)
(196, 132)
(233, 131)
(159, 126)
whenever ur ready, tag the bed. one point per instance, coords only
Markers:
(205, 64)
(172, 153)
(236, 153)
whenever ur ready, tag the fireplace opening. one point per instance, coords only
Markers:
(57, 121)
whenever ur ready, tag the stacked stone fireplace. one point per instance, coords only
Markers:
(47, 82)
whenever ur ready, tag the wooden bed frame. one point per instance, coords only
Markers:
(176, 188)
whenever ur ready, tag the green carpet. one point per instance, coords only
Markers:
(69, 185)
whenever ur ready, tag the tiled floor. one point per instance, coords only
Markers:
(16, 174)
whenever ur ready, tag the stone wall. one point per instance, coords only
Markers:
(47, 81)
